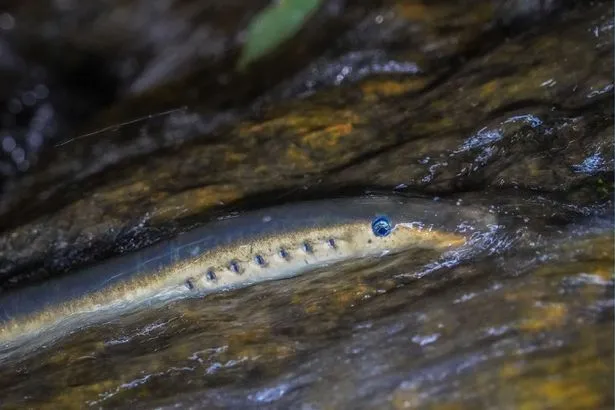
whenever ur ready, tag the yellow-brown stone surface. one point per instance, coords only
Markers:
(507, 104)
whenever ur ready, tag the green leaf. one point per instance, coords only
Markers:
(276, 23)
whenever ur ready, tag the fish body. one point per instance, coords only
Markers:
(240, 250)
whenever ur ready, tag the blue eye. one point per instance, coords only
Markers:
(381, 226)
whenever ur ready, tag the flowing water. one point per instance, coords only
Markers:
(123, 123)
(415, 330)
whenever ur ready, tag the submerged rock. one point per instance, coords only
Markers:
(504, 104)
(397, 101)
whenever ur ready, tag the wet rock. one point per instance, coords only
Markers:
(152, 60)
(525, 328)
(505, 104)
(435, 105)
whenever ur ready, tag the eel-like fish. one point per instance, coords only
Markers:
(256, 246)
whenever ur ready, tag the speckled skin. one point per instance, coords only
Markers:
(263, 245)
